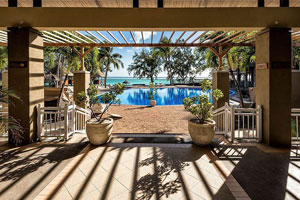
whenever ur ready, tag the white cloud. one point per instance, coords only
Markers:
(138, 35)
(120, 47)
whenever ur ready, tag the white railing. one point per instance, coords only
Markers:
(81, 116)
(222, 119)
(295, 113)
(61, 121)
(239, 123)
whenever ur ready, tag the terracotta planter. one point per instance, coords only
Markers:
(152, 103)
(99, 133)
(201, 134)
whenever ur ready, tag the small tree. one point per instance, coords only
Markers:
(92, 99)
(200, 106)
(8, 123)
(152, 91)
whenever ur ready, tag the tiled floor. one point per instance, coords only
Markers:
(144, 171)
(147, 166)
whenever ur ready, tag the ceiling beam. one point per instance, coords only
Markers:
(170, 39)
(132, 36)
(75, 36)
(124, 38)
(147, 44)
(191, 35)
(105, 38)
(112, 35)
(150, 18)
(178, 39)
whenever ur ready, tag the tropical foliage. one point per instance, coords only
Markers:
(200, 106)
(145, 65)
(3, 58)
(91, 99)
(108, 58)
(166, 54)
(9, 124)
(152, 91)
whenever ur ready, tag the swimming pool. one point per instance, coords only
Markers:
(164, 96)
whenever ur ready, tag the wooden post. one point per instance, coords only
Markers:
(82, 59)
(220, 56)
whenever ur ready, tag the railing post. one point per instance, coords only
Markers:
(259, 123)
(66, 121)
(73, 117)
(39, 122)
(232, 116)
(226, 118)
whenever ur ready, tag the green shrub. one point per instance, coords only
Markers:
(200, 106)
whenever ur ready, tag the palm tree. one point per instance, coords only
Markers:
(108, 58)
(239, 59)
(167, 53)
(92, 63)
(145, 65)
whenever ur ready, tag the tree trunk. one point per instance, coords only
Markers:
(237, 86)
(152, 79)
(171, 80)
(62, 89)
(105, 78)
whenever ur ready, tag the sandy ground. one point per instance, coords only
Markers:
(144, 119)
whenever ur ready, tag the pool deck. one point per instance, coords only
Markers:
(145, 119)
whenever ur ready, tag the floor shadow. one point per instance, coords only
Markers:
(168, 163)
(29, 167)
(262, 175)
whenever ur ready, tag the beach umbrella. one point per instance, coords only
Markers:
(126, 82)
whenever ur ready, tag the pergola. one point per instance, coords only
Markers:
(92, 39)
(96, 38)
(273, 26)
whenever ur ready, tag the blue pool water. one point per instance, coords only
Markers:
(164, 96)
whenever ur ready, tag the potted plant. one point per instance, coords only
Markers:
(202, 129)
(152, 92)
(99, 128)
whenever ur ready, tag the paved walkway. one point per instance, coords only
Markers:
(135, 170)
(148, 166)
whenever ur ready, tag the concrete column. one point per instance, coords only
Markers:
(81, 83)
(26, 78)
(273, 84)
(221, 81)
(295, 89)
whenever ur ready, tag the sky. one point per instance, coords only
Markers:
(128, 52)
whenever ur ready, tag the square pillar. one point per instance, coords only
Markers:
(273, 84)
(82, 81)
(296, 89)
(26, 78)
(221, 82)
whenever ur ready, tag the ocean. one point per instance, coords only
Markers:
(132, 81)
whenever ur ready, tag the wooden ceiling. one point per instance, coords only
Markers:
(151, 3)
